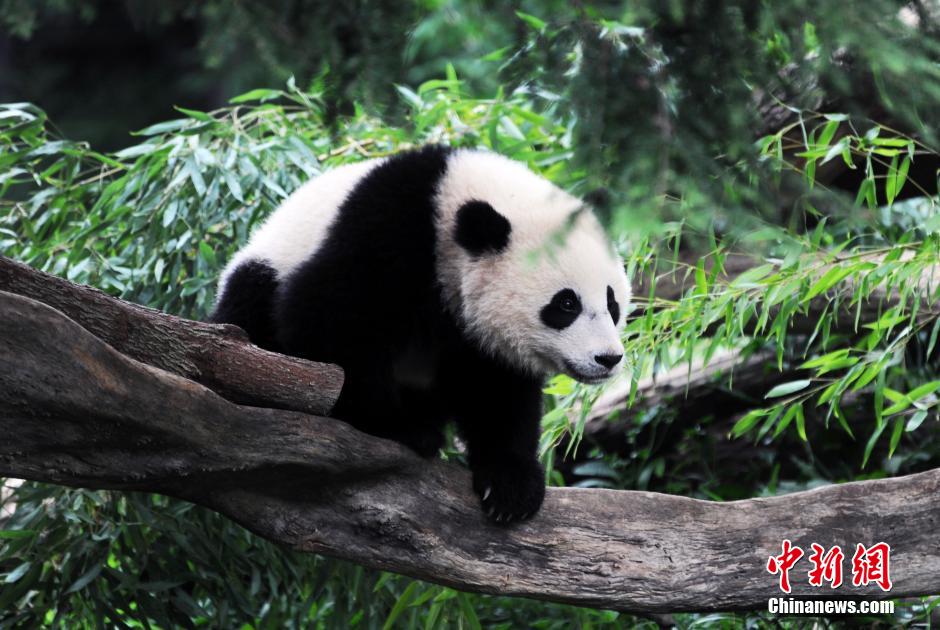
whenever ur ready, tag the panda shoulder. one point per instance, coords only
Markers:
(297, 228)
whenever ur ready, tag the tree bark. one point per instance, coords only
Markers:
(217, 356)
(75, 411)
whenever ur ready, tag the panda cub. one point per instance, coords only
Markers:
(448, 284)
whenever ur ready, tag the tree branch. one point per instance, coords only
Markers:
(217, 356)
(75, 411)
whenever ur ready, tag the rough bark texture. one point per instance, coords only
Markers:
(75, 411)
(218, 356)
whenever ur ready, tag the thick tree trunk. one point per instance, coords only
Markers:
(75, 411)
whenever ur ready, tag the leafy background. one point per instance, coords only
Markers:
(802, 134)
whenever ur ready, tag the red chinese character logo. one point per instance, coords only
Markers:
(783, 563)
(871, 565)
(826, 567)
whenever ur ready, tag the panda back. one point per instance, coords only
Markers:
(297, 229)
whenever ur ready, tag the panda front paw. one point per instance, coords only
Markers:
(510, 491)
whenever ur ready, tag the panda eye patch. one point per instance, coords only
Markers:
(612, 306)
(562, 310)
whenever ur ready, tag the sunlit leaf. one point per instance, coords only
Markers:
(785, 389)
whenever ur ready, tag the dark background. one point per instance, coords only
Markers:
(101, 68)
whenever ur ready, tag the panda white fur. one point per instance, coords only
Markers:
(448, 284)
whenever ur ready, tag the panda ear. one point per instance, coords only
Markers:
(599, 198)
(480, 229)
(601, 203)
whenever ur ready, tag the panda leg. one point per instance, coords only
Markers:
(421, 423)
(371, 402)
(498, 412)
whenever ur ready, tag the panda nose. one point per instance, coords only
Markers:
(608, 360)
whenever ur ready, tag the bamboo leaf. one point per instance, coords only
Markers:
(260, 94)
(828, 280)
(891, 181)
(531, 20)
(825, 359)
(469, 615)
(828, 132)
(746, 422)
(890, 142)
(902, 174)
(800, 422)
(17, 573)
(933, 337)
(785, 389)
(837, 410)
(923, 390)
(85, 579)
(840, 147)
(915, 420)
(896, 436)
(403, 601)
(701, 281)
(871, 443)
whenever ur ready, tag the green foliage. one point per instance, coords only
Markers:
(135, 59)
(671, 128)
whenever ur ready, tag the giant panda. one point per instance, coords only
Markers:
(447, 283)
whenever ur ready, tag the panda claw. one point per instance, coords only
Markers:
(486, 493)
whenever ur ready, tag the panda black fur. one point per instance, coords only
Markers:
(447, 284)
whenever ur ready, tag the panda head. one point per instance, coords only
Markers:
(529, 270)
